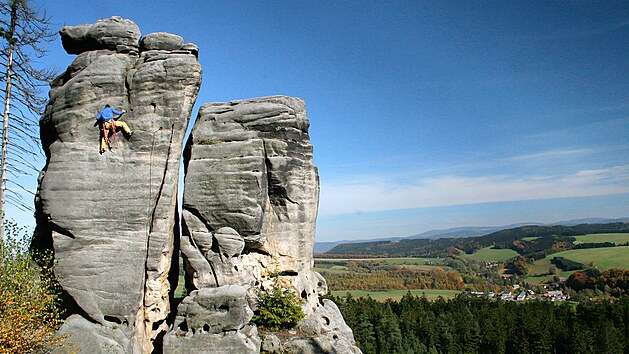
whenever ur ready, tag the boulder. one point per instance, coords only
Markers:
(114, 33)
(230, 243)
(162, 41)
(271, 344)
(213, 320)
(112, 219)
(214, 310)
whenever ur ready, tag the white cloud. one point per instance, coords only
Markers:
(557, 154)
(379, 195)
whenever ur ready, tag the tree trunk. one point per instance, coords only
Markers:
(7, 107)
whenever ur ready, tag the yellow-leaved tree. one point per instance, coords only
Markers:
(29, 315)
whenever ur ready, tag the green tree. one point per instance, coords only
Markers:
(278, 308)
(29, 315)
(389, 336)
(24, 31)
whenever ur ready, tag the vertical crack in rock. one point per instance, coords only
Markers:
(162, 184)
(144, 319)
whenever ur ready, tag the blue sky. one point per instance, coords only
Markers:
(424, 114)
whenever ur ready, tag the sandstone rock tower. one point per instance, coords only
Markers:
(250, 204)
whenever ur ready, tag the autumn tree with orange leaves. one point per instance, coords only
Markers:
(29, 316)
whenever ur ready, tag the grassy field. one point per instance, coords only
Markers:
(603, 258)
(531, 238)
(431, 294)
(599, 238)
(492, 255)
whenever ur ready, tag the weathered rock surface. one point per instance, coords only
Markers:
(249, 167)
(250, 206)
(115, 33)
(112, 219)
(213, 320)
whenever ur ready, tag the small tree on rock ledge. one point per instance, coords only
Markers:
(278, 308)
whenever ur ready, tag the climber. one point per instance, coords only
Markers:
(108, 122)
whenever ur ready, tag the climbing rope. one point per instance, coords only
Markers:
(106, 134)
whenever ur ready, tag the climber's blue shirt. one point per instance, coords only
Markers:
(107, 114)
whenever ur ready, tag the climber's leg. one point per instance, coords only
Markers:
(124, 127)
(104, 138)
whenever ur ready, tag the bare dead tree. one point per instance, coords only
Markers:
(23, 31)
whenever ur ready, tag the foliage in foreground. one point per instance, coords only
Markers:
(278, 309)
(467, 325)
(29, 315)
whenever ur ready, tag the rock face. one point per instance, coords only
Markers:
(111, 219)
(250, 206)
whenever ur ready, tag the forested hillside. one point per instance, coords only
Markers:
(526, 240)
(467, 325)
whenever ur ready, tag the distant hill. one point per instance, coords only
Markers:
(466, 231)
(548, 237)
(461, 232)
(589, 221)
(323, 247)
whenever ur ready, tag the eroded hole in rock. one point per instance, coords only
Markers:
(256, 250)
(236, 268)
(325, 320)
(183, 326)
(304, 295)
(206, 328)
(223, 308)
(157, 324)
(289, 273)
(214, 247)
(113, 319)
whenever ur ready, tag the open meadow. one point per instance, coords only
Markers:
(617, 238)
(492, 255)
(602, 258)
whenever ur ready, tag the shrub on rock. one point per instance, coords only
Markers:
(278, 309)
